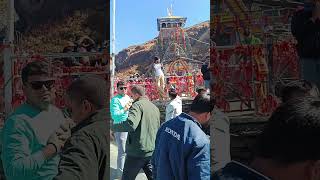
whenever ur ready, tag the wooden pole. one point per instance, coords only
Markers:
(8, 52)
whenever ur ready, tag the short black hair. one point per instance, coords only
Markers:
(202, 103)
(92, 88)
(156, 59)
(199, 89)
(298, 89)
(136, 89)
(292, 132)
(120, 83)
(35, 68)
(172, 93)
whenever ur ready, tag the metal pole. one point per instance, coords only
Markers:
(58, 55)
(113, 46)
(8, 51)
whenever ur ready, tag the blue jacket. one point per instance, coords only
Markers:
(182, 150)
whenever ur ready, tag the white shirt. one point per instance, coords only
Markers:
(174, 108)
(45, 123)
(124, 100)
(158, 70)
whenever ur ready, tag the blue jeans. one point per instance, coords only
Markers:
(121, 138)
(310, 70)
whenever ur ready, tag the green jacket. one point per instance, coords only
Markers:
(142, 124)
(25, 134)
(85, 154)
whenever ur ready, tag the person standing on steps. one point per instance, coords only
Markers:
(159, 76)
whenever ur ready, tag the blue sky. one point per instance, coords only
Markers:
(136, 20)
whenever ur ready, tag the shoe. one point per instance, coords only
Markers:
(119, 174)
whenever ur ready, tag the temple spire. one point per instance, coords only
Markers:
(170, 11)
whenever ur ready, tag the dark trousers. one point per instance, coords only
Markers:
(133, 165)
(310, 70)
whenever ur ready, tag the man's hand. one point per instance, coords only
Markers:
(60, 136)
(56, 142)
(127, 106)
(68, 124)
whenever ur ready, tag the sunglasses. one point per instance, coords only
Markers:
(36, 85)
(122, 88)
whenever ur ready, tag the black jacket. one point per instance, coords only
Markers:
(205, 72)
(307, 33)
(237, 171)
(84, 156)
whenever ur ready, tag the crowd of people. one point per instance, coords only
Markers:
(286, 148)
(179, 149)
(41, 141)
(82, 44)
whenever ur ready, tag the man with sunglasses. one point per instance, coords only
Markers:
(119, 107)
(34, 133)
(142, 124)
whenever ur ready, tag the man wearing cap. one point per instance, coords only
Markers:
(174, 107)
(32, 134)
(119, 107)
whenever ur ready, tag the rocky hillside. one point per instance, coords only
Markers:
(141, 55)
(45, 26)
(53, 37)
